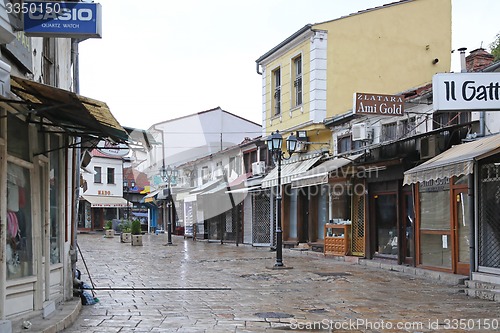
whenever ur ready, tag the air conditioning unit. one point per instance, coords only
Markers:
(360, 132)
(258, 168)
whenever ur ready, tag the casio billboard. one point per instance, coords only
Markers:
(62, 19)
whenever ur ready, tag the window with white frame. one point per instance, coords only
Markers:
(205, 174)
(297, 81)
(97, 175)
(277, 92)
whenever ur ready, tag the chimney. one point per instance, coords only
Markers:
(478, 59)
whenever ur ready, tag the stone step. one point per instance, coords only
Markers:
(476, 284)
(488, 294)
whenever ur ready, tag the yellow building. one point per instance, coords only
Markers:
(313, 74)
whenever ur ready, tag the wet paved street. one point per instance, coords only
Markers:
(239, 293)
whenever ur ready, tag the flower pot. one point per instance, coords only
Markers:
(109, 233)
(126, 237)
(137, 240)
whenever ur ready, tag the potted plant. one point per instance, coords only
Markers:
(108, 230)
(126, 236)
(136, 233)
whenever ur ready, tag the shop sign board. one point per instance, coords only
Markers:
(435, 185)
(378, 105)
(466, 91)
(61, 19)
(112, 149)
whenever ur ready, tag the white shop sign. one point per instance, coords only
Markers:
(466, 91)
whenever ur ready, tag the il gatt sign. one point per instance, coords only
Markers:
(466, 91)
(378, 105)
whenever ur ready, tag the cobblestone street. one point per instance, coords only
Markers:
(208, 287)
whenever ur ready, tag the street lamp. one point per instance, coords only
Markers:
(274, 144)
(167, 175)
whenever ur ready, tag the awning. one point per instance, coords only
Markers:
(288, 170)
(193, 194)
(245, 189)
(181, 195)
(319, 174)
(106, 202)
(204, 187)
(150, 197)
(456, 161)
(76, 115)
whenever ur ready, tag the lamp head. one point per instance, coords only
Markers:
(274, 141)
(291, 144)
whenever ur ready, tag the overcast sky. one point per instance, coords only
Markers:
(160, 59)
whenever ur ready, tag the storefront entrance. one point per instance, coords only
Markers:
(462, 229)
(385, 225)
(445, 225)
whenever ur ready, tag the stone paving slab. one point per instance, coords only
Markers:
(319, 294)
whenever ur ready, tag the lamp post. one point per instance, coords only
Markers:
(274, 144)
(167, 175)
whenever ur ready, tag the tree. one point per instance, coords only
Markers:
(495, 47)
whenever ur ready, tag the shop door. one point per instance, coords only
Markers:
(386, 232)
(304, 215)
(408, 238)
(461, 229)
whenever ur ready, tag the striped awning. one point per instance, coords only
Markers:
(288, 170)
(99, 201)
(319, 175)
(456, 161)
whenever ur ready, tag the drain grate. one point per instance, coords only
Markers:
(333, 274)
(274, 315)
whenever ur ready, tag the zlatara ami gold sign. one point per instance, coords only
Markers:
(378, 105)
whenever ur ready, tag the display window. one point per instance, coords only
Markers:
(19, 247)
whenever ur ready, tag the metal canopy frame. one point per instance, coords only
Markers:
(77, 115)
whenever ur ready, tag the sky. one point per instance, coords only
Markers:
(158, 60)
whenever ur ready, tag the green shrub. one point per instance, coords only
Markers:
(136, 227)
(125, 226)
(108, 225)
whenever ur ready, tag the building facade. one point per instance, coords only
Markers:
(43, 125)
(312, 75)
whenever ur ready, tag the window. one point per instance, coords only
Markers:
(443, 119)
(97, 175)
(111, 175)
(235, 164)
(389, 131)
(205, 174)
(248, 158)
(344, 144)
(56, 199)
(19, 238)
(407, 127)
(277, 92)
(48, 61)
(297, 81)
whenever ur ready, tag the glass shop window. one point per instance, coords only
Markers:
(56, 200)
(19, 248)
